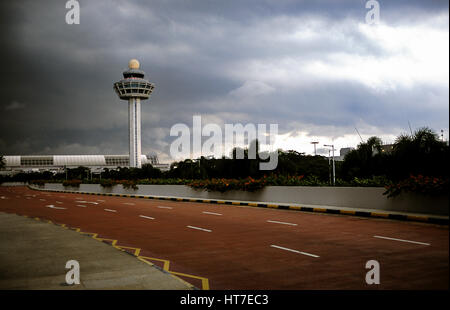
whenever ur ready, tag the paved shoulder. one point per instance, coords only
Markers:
(33, 255)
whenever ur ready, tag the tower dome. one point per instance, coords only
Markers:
(133, 64)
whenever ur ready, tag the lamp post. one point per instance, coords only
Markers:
(334, 170)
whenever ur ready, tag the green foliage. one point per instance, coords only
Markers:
(128, 184)
(223, 185)
(419, 184)
(2, 162)
(72, 183)
(369, 165)
(106, 182)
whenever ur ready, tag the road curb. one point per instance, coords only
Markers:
(386, 215)
(135, 254)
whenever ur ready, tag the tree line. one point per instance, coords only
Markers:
(421, 153)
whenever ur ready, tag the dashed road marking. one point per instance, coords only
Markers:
(402, 240)
(93, 202)
(212, 213)
(110, 210)
(128, 203)
(81, 206)
(295, 251)
(284, 223)
(163, 207)
(198, 228)
(147, 217)
(53, 207)
(58, 202)
(42, 199)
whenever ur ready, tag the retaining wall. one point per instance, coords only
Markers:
(348, 197)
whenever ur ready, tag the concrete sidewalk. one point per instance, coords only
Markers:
(33, 255)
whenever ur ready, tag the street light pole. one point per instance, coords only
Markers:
(329, 166)
(334, 170)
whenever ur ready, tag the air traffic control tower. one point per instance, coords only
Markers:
(133, 88)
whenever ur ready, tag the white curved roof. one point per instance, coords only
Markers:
(12, 161)
(70, 160)
(79, 160)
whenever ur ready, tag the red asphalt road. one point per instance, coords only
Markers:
(242, 250)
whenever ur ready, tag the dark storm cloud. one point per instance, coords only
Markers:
(233, 61)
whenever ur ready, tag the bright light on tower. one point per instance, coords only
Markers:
(133, 87)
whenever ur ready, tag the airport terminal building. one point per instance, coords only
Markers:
(58, 163)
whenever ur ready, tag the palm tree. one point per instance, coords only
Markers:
(2, 162)
(420, 153)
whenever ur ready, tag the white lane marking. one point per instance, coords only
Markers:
(3, 197)
(58, 202)
(212, 213)
(93, 202)
(284, 223)
(128, 203)
(395, 239)
(295, 251)
(42, 199)
(147, 217)
(198, 228)
(101, 200)
(53, 207)
(162, 207)
(110, 210)
(81, 206)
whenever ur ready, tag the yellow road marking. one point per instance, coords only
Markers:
(165, 261)
(347, 212)
(319, 210)
(417, 218)
(205, 282)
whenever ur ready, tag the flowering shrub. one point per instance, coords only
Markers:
(419, 184)
(127, 184)
(73, 183)
(223, 185)
(107, 182)
(169, 181)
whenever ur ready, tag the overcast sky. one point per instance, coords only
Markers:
(314, 67)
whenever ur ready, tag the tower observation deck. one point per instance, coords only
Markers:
(134, 88)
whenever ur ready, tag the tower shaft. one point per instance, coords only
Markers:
(134, 122)
(134, 88)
